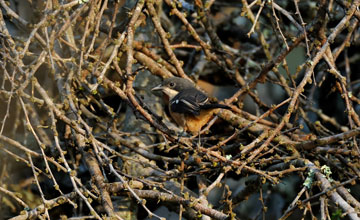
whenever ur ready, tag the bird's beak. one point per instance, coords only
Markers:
(158, 88)
(170, 93)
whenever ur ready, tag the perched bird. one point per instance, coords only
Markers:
(189, 107)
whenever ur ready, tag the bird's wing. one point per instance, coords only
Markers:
(188, 101)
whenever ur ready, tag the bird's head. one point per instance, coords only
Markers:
(172, 86)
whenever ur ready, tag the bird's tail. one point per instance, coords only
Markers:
(215, 105)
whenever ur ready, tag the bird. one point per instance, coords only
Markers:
(189, 107)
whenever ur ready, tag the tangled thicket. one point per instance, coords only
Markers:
(82, 135)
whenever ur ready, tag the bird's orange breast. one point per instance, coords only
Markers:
(193, 123)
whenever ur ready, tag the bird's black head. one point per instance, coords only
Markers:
(172, 86)
(177, 83)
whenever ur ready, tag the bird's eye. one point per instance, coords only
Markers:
(171, 84)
